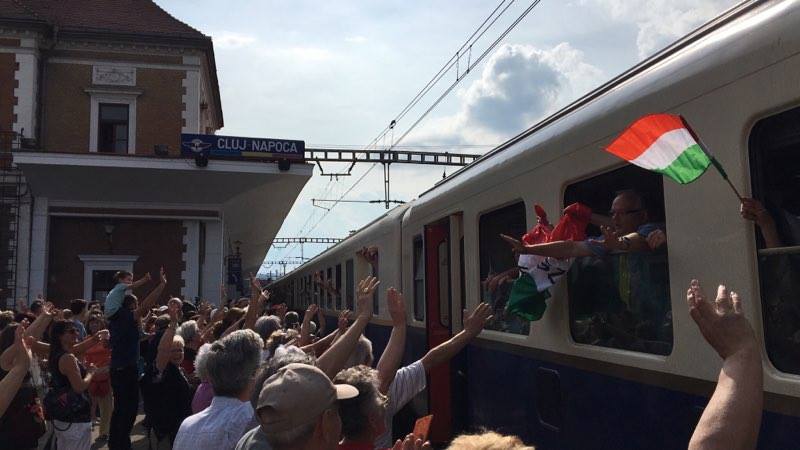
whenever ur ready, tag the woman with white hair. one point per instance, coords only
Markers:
(190, 333)
(205, 392)
(231, 366)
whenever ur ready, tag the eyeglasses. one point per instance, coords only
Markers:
(613, 213)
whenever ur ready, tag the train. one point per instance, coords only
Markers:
(587, 376)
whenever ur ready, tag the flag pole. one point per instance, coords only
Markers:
(711, 157)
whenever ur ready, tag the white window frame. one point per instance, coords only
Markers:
(114, 97)
(103, 262)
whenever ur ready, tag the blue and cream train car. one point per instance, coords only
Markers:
(616, 362)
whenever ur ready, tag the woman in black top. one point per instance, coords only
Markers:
(167, 393)
(67, 373)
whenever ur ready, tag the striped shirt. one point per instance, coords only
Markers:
(409, 381)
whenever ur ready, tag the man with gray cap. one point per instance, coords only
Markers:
(298, 409)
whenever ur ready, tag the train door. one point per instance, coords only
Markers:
(443, 298)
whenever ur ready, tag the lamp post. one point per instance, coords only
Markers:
(108, 227)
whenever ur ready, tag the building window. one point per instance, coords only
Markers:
(775, 170)
(621, 299)
(419, 279)
(338, 287)
(112, 128)
(496, 258)
(349, 280)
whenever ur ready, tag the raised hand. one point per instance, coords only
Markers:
(656, 239)
(397, 306)
(48, 309)
(411, 442)
(722, 323)
(474, 323)
(341, 324)
(517, 246)
(611, 240)
(102, 335)
(24, 356)
(162, 275)
(310, 311)
(364, 292)
(147, 277)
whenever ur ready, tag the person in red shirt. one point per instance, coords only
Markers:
(99, 355)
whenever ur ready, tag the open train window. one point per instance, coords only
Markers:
(775, 171)
(349, 279)
(419, 279)
(621, 299)
(338, 287)
(496, 257)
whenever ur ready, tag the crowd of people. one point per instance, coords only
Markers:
(250, 375)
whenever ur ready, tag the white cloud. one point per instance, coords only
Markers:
(304, 54)
(662, 22)
(355, 39)
(518, 85)
(232, 40)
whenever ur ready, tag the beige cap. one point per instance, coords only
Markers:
(296, 395)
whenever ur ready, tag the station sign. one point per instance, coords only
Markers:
(236, 147)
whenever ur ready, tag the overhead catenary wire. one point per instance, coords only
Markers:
(469, 43)
(440, 98)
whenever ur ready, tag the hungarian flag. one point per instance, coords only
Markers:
(539, 273)
(662, 143)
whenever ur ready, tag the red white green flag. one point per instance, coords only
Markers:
(662, 143)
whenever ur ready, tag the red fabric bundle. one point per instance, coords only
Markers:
(571, 226)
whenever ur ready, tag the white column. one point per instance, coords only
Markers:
(25, 92)
(40, 237)
(23, 238)
(191, 260)
(214, 262)
(191, 97)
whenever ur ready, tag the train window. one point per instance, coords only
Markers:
(329, 289)
(319, 279)
(349, 280)
(419, 279)
(775, 167)
(621, 299)
(495, 258)
(338, 291)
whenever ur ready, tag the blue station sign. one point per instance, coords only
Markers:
(241, 147)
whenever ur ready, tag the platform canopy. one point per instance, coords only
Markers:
(251, 197)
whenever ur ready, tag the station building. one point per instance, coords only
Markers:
(94, 97)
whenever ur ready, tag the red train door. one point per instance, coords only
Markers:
(437, 294)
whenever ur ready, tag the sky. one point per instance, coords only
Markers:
(336, 73)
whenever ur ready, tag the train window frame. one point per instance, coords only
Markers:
(350, 284)
(656, 203)
(770, 262)
(418, 276)
(338, 286)
(498, 323)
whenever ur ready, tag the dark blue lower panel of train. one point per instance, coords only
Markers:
(559, 406)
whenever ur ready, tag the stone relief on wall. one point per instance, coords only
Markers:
(114, 75)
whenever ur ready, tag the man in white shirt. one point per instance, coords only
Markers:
(403, 384)
(231, 365)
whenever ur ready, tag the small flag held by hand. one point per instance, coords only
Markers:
(662, 143)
